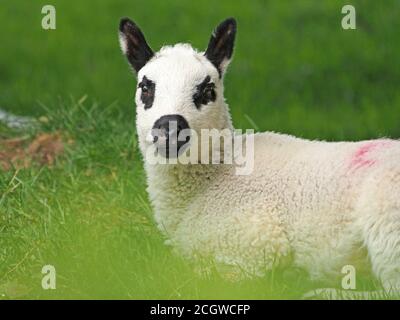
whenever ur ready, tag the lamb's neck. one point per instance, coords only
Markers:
(172, 187)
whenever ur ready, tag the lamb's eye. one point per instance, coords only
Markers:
(204, 92)
(145, 90)
(209, 93)
(148, 90)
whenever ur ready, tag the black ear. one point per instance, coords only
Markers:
(133, 44)
(220, 47)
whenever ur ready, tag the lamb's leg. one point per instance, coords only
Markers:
(383, 243)
(382, 239)
(379, 219)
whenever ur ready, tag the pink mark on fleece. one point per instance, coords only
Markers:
(362, 157)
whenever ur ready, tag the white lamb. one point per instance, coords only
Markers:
(313, 204)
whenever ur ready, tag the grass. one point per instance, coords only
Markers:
(295, 71)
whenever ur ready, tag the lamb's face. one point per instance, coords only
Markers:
(177, 88)
(178, 85)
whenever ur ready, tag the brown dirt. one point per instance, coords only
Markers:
(24, 152)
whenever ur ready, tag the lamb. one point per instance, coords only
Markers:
(310, 204)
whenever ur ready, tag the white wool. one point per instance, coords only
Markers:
(309, 203)
(122, 43)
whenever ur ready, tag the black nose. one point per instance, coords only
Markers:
(166, 134)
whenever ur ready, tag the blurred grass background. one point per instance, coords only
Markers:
(295, 70)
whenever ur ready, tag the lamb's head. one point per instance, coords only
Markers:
(178, 87)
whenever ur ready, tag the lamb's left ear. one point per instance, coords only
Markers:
(220, 47)
(133, 44)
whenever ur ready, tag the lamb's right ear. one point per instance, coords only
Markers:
(133, 44)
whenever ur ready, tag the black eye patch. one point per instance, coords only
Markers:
(205, 92)
(148, 90)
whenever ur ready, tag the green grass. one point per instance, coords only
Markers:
(295, 71)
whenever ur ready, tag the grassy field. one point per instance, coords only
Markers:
(295, 71)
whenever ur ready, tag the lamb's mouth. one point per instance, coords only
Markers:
(170, 147)
(171, 135)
